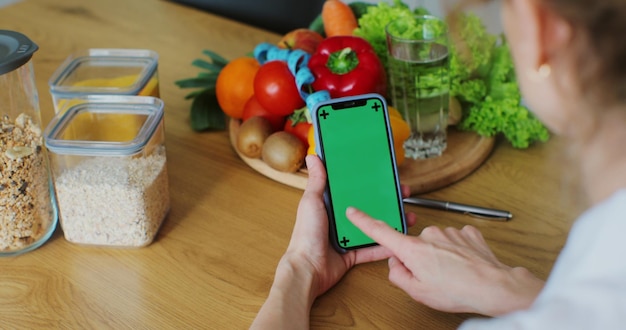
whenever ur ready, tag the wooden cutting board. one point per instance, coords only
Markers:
(466, 151)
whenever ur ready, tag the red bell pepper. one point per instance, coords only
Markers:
(346, 66)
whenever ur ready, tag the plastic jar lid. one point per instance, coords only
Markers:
(104, 63)
(146, 110)
(15, 50)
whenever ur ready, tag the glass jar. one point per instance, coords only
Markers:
(105, 71)
(112, 189)
(28, 214)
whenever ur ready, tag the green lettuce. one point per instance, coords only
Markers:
(482, 75)
(501, 110)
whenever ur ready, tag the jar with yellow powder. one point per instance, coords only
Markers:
(106, 71)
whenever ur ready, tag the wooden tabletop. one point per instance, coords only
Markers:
(213, 261)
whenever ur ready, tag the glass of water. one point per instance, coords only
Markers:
(418, 67)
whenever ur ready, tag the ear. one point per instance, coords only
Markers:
(543, 33)
(538, 36)
(555, 34)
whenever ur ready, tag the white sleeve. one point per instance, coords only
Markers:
(587, 287)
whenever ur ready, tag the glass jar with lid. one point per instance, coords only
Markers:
(28, 214)
(112, 189)
(105, 71)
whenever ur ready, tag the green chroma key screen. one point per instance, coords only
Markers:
(356, 148)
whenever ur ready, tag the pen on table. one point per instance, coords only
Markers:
(477, 211)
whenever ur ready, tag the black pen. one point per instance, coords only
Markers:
(477, 211)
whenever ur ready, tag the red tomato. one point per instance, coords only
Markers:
(254, 108)
(275, 88)
(300, 130)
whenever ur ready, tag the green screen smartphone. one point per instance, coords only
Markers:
(354, 140)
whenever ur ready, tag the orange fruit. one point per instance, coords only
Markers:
(401, 131)
(393, 112)
(311, 140)
(234, 85)
(400, 156)
(399, 128)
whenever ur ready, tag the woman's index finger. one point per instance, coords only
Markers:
(377, 230)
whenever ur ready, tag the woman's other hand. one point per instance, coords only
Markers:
(451, 270)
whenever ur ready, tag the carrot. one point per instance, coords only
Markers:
(338, 18)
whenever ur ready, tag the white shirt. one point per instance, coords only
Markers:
(587, 286)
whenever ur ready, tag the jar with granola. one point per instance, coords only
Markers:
(28, 213)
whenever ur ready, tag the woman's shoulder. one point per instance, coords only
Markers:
(587, 286)
(595, 245)
(608, 213)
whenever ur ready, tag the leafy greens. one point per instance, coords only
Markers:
(482, 76)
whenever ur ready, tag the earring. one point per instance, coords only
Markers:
(544, 70)
(541, 73)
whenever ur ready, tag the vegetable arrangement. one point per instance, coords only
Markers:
(343, 52)
(482, 75)
(271, 93)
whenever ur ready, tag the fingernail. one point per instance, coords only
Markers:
(350, 209)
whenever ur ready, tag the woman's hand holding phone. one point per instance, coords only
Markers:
(311, 265)
(310, 241)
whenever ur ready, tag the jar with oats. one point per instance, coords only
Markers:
(112, 189)
(28, 214)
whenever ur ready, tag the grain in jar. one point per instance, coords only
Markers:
(111, 192)
(28, 215)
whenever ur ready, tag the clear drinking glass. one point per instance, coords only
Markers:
(418, 66)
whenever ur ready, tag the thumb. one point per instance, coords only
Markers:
(401, 276)
(317, 175)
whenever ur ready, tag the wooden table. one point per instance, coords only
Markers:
(213, 261)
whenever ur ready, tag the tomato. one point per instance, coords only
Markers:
(254, 108)
(275, 88)
(300, 130)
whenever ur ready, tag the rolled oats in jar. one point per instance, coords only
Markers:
(28, 214)
(114, 191)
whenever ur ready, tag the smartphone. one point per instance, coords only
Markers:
(354, 140)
